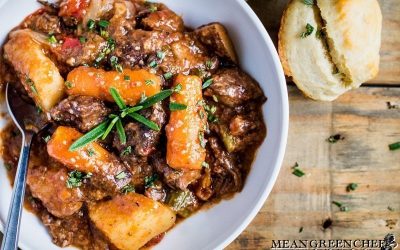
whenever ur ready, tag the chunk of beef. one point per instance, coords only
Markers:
(72, 230)
(174, 178)
(123, 20)
(83, 112)
(233, 87)
(164, 20)
(49, 185)
(226, 175)
(216, 38)
(44, 22)
(141, 139)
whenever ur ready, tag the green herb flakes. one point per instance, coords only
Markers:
(351, 187)
(68, 84)
(168, 75)
(342, 207)
(149, 82)
(126, 151)
(129, 188)
(308, 2)
(121, 175)
(207, 83)
(149, 180)
(75, 178)
(297, 171)
(173, 106)
(335, 138)
(309, 31)
(394, 146)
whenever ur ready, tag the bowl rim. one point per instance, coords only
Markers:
(264, 193)
(283, 132)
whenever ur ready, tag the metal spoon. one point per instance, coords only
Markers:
(25, 116)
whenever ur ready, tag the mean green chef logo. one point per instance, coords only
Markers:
(388, 243)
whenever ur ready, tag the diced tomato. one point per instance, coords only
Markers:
(74, 8)
(71, 44)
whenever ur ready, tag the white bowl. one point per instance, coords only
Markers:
(214, 228)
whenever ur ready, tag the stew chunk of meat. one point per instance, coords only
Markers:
(49, 185)
(164, 20)
(233, 87)
(83, 112)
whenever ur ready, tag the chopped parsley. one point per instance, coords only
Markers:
(149, 180)
(68, 84)
(342, 207)
(31, 85)
(335, 138)
(121, 175)
(152, 8)
(153, 64)
(394, 146)
(168, 75)
(207, 83)
(75, 178)
(308, 2)
(205, 164)
(173, 106)
(309, 31)
(91, 24)
(52, 39)
(297, 171)
(203, 142)
(149, 82)
(126, 151)
(90, 152)
(215, 98)
(129, 188)
(209, 64)
(103, 23)
(46, 138)
(82, 39)
(127, 78)
(160, 54)
(351, 187)
(115, 64)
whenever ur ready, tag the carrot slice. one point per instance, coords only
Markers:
(92, 158)
(131, 84)
(185, 130)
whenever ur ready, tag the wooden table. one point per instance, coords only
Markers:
(363, 157)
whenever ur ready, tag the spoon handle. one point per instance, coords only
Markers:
(10, 240)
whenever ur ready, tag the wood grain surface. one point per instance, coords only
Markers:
(367, 125)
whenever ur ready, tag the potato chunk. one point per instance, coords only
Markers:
(130, 221)
(38, 74)
(215, 36)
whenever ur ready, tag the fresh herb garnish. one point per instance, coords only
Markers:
(342, 207)
(149, 180)
(115, 64)
(351, 187)
(91, 24)
(121, 132)
(117, 98)
(121, 175)
(210, 109)
(68, 84)
(308, 2)
(126, 151)
(103, 23)
(394, 146)
(300, 229)
(205, 164)
(75, 178)
(153, 64)
(152, 8)
(145, 121)
(215, 98)
(203, 142)
(82, 39)
(31, 85)
(390, 208)
(149, 82)
(51, 39)
(309, 31)
(297, 171)
(209, 64)
(173, 106)
(207, 83)
(46, 138)
(335, 138)
(168, 75)
(89, 137)
(160, 54)
(129, 188)
(110, 127)
(90, 152)
(127, 78)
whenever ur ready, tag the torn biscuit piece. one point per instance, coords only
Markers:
(331, 46)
